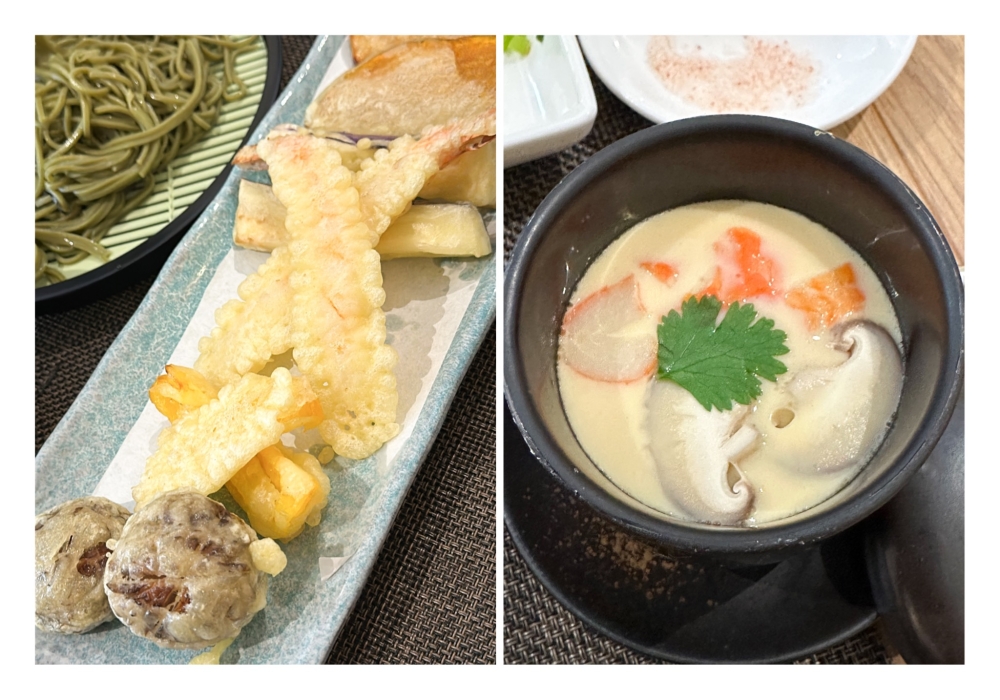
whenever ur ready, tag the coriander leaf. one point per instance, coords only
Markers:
(719, 364)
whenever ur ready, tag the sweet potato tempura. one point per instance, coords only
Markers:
(279, 489)
(205, 447)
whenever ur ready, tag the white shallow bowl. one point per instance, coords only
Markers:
(852, 71)
(549, 103)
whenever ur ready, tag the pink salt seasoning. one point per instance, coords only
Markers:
(768, 76)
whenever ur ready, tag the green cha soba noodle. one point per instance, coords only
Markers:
(109, 113)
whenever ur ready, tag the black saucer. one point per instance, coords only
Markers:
(673, 607)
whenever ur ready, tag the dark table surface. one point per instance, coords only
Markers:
(431, 597)
(537, 629)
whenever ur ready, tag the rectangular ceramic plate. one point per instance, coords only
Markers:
(437, 312)
(549, 103)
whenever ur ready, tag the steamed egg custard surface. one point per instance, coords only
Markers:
(806, 435)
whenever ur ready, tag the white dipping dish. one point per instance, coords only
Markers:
(852, 71)
(549, 103)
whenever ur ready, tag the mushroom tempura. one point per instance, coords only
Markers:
(70, 555)
(184, 573)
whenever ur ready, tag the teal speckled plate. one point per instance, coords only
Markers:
(437, 312)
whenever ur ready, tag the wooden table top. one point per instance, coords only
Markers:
(917, 129)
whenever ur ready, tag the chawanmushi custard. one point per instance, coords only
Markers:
(730, 362)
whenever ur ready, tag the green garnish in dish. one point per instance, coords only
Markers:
(519, 43)
(719, 364)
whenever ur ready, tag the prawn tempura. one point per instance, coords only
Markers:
(338, 326)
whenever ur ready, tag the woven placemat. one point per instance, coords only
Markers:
(431, 597)
(537, 629)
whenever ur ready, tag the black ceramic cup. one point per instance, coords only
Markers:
(760, 159)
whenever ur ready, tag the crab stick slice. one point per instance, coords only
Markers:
(608, 336)
(744, 271)
(828, 297)
(665, 272)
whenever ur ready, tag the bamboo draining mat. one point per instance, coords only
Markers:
(183, 180)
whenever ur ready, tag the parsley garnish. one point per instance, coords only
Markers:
(719, 364)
